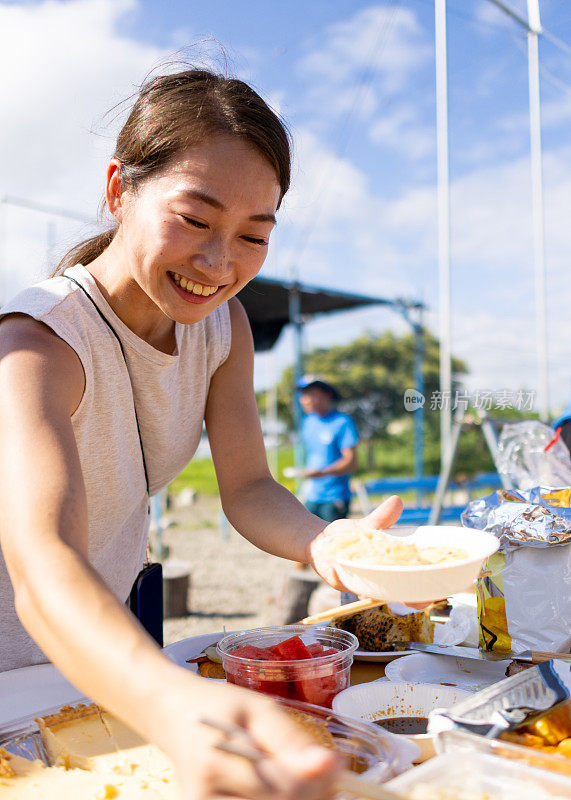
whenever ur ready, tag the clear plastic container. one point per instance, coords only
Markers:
(313, 680)
(475, 776)
(377, 754)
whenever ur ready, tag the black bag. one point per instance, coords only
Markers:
(146, 600)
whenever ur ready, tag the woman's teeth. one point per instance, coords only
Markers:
(191, 287)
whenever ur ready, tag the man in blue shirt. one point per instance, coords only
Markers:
(330, 439)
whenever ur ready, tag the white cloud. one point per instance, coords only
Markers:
(332, 226)
(362, 243)
(400, 130)
(380, 45)
(380, 37)
(64, 65)
(73, 65)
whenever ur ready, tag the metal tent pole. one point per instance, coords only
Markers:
(418, 413)
(537, 204)
(419, 386)
(297, 324)
(533, 27)
(443, 229)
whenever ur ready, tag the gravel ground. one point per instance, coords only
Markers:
(233, 584)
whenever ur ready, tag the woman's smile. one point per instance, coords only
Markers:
(192, 291)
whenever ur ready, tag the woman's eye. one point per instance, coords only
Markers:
(255, 240)
(194, 222)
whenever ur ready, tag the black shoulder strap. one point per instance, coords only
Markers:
(115, 334)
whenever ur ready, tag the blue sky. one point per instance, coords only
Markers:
(355, 81)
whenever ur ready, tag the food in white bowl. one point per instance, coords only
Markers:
(379, 547)
(448, 560)
(400, 708)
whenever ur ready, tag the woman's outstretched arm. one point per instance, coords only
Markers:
(78, 622)
(259, 508)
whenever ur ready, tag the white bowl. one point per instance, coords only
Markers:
(426, 582)
(389, 700)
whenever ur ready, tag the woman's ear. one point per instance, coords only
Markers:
(114, 190)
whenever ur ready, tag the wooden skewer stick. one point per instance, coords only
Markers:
(341, 611)
(347, 781)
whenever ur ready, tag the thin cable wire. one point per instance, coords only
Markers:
(556, 41)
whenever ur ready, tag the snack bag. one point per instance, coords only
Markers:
(524, 598)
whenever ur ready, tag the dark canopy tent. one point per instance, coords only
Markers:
(271, 304)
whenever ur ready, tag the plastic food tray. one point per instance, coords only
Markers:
(478, 776)
(461, 741)
(22, 737)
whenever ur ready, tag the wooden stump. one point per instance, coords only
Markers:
(176, 589)
(292, 595)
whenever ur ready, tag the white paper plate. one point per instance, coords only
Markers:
(381, 656)
(31, 690)
(462, 673)
(190, 648)
(426, 582)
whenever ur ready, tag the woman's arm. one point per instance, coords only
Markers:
(80, 625)
(258, 507)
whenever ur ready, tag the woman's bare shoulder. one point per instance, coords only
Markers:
(32, 351)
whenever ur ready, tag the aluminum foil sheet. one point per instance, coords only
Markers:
(495, 709)
(538, 517)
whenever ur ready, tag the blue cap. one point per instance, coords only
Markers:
(315, 380)
(565, 417)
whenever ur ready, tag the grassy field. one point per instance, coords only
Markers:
(200, 475)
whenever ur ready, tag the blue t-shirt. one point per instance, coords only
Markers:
(324, 438)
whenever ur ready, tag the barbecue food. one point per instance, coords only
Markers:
(377, 629)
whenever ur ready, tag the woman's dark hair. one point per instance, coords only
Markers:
(173, 112)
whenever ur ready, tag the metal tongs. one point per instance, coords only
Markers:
(240, 743)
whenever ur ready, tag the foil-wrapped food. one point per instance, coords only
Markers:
(538, 517)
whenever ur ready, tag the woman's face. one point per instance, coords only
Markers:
(195, 234)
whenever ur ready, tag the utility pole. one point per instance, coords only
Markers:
(532, 25)
(443, 188)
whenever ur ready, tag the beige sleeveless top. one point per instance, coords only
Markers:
(170, 393)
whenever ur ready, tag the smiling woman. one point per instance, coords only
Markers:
(108, 371)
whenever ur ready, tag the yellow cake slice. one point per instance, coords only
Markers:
(76, 738)
(89, 738)
(94, 757)
(136, 754)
